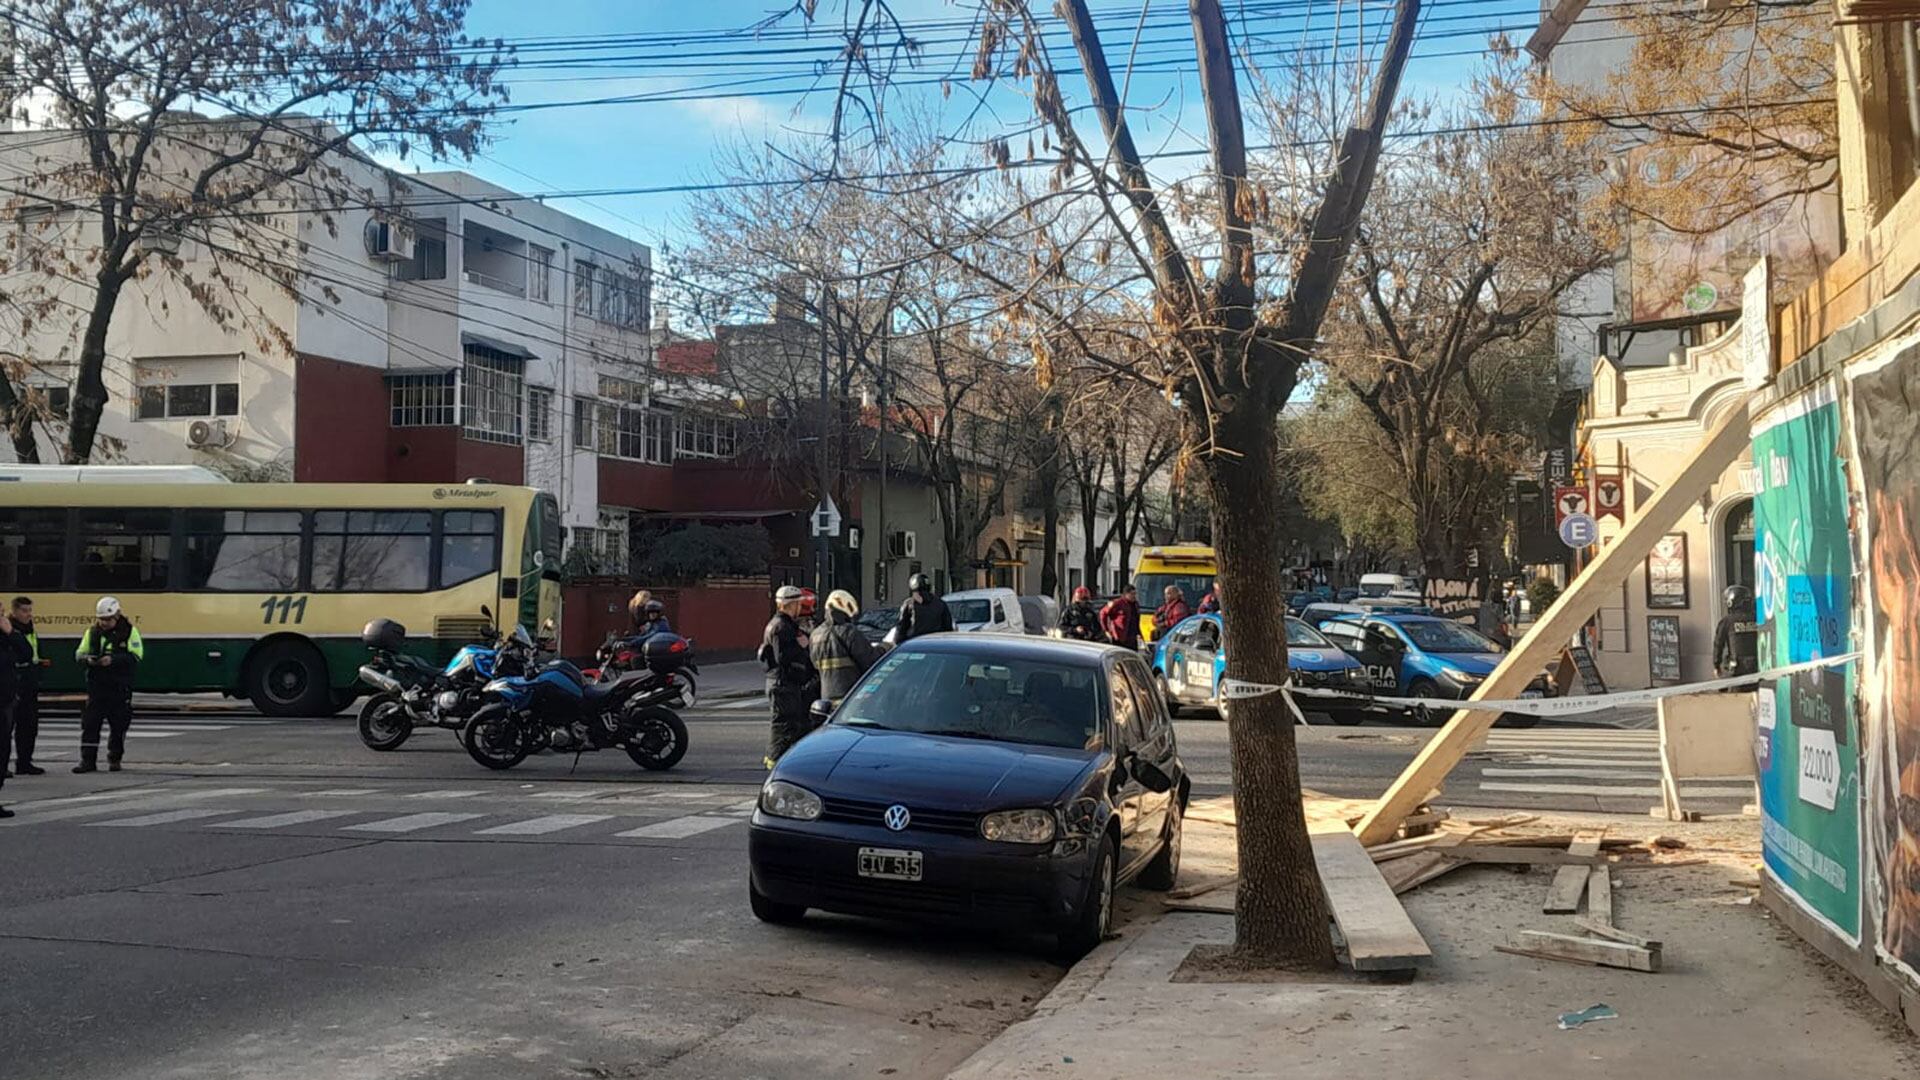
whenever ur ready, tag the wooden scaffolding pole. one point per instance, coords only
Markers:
(1719, 448)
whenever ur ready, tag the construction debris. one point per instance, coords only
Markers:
(1543, 945)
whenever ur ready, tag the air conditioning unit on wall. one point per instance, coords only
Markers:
(902, 544)
(389, 241)
(209, 435)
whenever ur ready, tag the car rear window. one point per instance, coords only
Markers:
(964, 611)
(979, 696)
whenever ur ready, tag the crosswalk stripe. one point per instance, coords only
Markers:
(678, 828)
(680, 794)
(144, 802)
(410, 823)
(1604, 790)
(275, 821)
(1576, 763)
(1598, 774)
(345, 791)
(569, 796)
(162, 818)
(448, 794)
(542, 825)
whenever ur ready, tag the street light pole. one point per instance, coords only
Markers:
(823, 544)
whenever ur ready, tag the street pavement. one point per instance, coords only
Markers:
(268, 898)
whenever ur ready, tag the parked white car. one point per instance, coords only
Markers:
(986, 611)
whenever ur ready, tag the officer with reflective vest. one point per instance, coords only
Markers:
(110, 650)
(26, 700)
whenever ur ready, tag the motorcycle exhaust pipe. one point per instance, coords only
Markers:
(380, 680)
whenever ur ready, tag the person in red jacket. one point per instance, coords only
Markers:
(1121, 618)
(1171, 613)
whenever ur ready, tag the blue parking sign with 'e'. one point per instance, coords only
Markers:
(1578, 530)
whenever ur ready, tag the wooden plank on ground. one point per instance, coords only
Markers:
(1502, 854)
(1580, 950)
(1198, 888)
(1600, 896)
(1563, 897)
(1614, 933)
(1403, 875)
(1603, 577)
(1379, 935)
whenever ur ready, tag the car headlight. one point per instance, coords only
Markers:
(1461, 676)
(1018, 826)
(784, 800)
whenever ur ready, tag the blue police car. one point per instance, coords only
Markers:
(1191, 661)
(1424, 656)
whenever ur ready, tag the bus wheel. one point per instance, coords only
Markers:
(289, 678)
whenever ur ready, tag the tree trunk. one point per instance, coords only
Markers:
(1280, 914)
(89, 399)
(1047, 480)
(18, 420)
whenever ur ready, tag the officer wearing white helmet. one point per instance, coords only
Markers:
(110, 650)
(792, 682)
(840, 653)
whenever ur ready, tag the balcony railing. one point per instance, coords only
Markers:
(512, 288)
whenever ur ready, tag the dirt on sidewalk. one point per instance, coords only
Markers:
(1739, 995)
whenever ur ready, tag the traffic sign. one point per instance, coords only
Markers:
(1610, 497)
(1579, 530)
(1568, 501)
(826, 518)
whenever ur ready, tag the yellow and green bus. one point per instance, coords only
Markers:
(261, 590)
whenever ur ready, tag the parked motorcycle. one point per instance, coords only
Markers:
(556, 707)
(411, 692)
(618, 655)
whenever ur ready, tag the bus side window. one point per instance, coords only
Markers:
(469, 545)
(372, 550)
(242, 550)
(123, 550)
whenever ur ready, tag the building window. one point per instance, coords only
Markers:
(422, 400)
(492, 389)
(700, 436)
(539, 273)
(583, 273)
(429, 262)
(614, 388)
(539, 414)
(180, 400)
(583, 423)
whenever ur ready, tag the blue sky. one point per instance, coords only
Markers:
(673, 142)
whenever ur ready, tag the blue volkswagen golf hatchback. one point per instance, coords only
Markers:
(982, 777)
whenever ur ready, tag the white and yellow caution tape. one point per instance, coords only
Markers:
(1546, 706)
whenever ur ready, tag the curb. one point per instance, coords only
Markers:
(1073, 988)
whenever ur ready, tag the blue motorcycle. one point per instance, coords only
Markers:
(411, 692)
(556, 707)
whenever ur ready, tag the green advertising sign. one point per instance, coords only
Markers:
(1807, 740)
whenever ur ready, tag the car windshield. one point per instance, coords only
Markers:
(1448, 637)
(969, 611)
(878, 619)
(1299, 633)
(1375, 588)
(979, 696)
(1153, 588)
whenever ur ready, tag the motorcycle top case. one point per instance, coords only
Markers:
(384, 634)
(666, 652)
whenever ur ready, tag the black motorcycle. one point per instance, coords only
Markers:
(557, 707)
(411, 692)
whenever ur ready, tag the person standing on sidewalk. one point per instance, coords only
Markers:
(792, 681)
(110, 650)
(13, 647)
(26, 702)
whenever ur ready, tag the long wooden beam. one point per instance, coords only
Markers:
(1719, 448)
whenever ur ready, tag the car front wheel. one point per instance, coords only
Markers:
(1095, 917)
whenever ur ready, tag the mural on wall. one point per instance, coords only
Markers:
(1808, 745)
(1886, 433)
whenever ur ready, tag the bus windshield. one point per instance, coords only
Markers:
(1153, 587)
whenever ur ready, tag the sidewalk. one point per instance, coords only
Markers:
(733, 680)
(1738, 995)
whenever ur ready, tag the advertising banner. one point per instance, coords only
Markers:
(1886, 437)
(1803, 595)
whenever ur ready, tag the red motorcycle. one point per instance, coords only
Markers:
(669, 655)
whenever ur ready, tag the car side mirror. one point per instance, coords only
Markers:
(820, 711)
(1150, 775)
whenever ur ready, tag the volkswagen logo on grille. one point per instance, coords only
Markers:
(897, 817)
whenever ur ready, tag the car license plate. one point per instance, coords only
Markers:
(892, 864)
(1531, 694)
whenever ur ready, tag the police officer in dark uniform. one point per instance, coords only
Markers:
(110, 650)
(923, 613)
(792, 682)
(1736, 639)
(26, 701)
(13, 652)
(1081, 621)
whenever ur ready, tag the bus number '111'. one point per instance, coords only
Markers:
(296, 606)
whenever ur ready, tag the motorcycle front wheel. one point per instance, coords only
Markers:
(658, 740)
(384, 723)
(493, 739)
